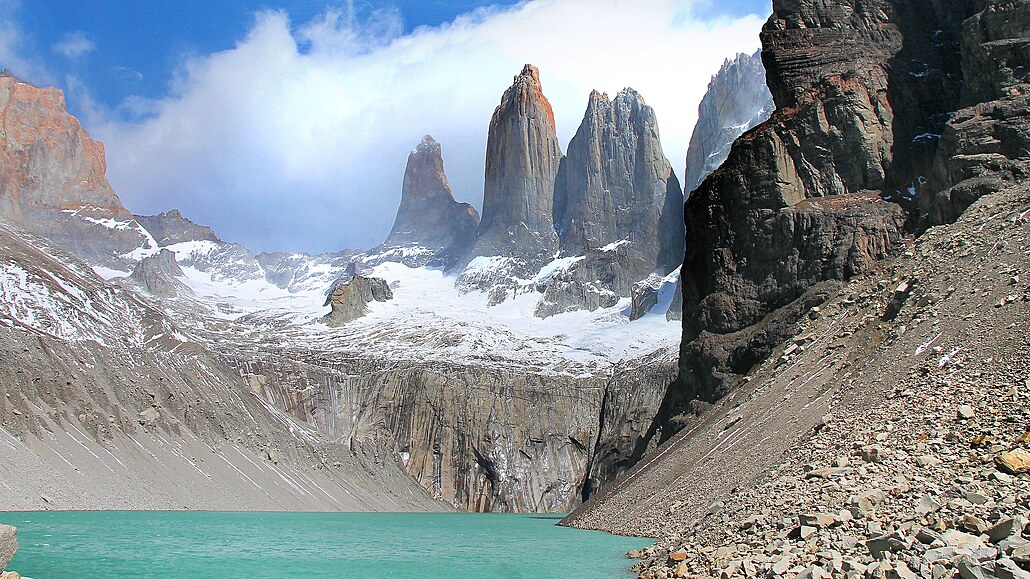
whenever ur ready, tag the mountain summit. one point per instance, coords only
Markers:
(431, 227)
(522, 158)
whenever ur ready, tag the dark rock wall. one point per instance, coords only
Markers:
(866, 96)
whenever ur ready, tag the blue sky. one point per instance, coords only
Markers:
(286, 124)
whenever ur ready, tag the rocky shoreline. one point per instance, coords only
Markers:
(919, 470)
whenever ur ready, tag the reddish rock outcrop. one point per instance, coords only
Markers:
(522, 158)
(52, 177)
(47, 160)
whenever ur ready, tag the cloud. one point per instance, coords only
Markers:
(14, 47)
(74, 45)
(297, 137)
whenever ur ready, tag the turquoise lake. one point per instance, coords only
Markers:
(191, 544)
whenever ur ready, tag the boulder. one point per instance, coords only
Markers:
(8, 545)
(350, 298)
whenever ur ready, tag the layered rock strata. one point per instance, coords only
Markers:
(737, 100)
(522, 158)
(431, 228)
(800, 198)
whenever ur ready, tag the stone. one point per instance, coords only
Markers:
(737, 100)
(1014, 462)
(966, 412)
(927, 505)
(928, 536)
(8, 545)
(159, 275)
(871, 453)
(272, 455)
(973, 524)
(820, 520)
(879, 546)
(349, 298)
(1008, 569)
(1005, 528)
(927, 461)
(431, 228)
(615, 186)
(149, 416)
(681, 570)
(678, 555)
(970, 568)
(902, 571)
(961, 540)
(522, 158)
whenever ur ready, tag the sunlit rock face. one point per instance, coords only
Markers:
(522, 158)
(616, 187)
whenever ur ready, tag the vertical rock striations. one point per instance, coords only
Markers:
(431, 227)
(737, 100)
(617, 204)
(522, 159)
(616, 185)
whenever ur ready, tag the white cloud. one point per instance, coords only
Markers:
(297, 137)
(13, 49)
(74, 45)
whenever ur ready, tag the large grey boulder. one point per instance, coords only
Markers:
(350, 298)
(158, 275)
(8, 545)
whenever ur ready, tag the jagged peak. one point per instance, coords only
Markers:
(427, 146)
(529, 73)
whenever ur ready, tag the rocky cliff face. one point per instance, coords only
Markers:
(350, 298)
(800, 199)
(737, 100)
(985, 145)
(920, 102)
(431, 228)
(159, 275)
(171, 227)
(483, 435)
(52, 175)
(617, 202)
(522, 159)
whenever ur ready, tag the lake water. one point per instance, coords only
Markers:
(191, 544)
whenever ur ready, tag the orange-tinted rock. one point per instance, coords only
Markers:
(522, 159)
(47, 160)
